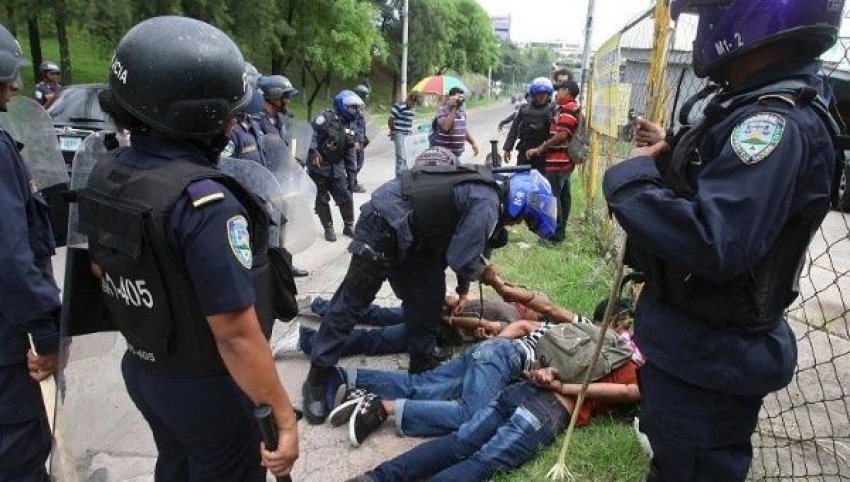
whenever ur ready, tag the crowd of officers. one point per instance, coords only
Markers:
(718, 217)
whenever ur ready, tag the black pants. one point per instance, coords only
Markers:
(419, 281)
(560, 182)
(25, 438)
(327, 187)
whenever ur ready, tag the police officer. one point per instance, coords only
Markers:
(531, 125)
(179, 249)
(275, 119)
(246, 131)
(362, 141)
(332, 150)
(48, 88)
(29, 299)
(719, 219)
(414, 226)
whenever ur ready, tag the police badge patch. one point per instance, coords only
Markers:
(240, 241)
(755, 138)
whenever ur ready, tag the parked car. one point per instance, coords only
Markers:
(76, 113)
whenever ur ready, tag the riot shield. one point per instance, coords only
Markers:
(414, 145)
(301, 134)
(90, 349)
(299, 193)
(260, 181)
(32, 126)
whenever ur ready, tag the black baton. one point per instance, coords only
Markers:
(268, 430)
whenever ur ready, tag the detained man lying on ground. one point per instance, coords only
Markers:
(439, 401)
(524, 417)
(391, 337)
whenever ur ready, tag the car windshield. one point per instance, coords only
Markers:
(77, 104)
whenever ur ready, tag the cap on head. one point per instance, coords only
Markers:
(179, 75)
(729, 29)
(11, 57)
(363, 91)
(274, 87)
(436, 156)
(530, 199)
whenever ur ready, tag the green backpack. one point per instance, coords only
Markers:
(569, 347)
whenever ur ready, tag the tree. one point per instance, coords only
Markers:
(59, 16)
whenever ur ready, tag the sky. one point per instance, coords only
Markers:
(564, 19)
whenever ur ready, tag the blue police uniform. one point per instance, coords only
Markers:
(385, 248)
(278, 124)
(330, 175)
(243, 140)
(353, 168)
(732, 237)
(29, 303)
(42, 89)
(202, 425)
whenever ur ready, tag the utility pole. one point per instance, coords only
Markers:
(585, 56)
(404, 17)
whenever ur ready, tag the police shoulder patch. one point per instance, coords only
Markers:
(320, 120)
(203, 192)
(757, 136)
(239, 240)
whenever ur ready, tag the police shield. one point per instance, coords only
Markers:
(414, 145)
(28, 123)
(90, 349)
(300, 136)
(299, 193)
(263, 184)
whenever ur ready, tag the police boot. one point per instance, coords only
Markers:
(324, 212)
(422, 362)
(313, 392)
(347, 212)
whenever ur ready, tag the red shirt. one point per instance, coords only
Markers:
(566, 119)
(626, 374)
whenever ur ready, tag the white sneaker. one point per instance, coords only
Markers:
(288, 343)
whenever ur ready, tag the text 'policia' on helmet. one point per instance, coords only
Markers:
(180, 76)
(729, 29)
(530, 199)
(541, 85)
(276, 86)
(11, 58)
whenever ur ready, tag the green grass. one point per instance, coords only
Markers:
(574, 275)
(89, 58)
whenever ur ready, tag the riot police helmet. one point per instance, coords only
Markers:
(49, 67)
(541, 85)
(256, 103)
(11, 58)
(178, 75)
(348, 105)
(436, 156)
(729, 29)
(363, 91)
(530, 199)
(274, 87)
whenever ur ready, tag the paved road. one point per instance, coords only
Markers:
(104, 438)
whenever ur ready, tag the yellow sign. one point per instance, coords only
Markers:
(610, 96)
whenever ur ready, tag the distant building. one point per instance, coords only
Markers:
(502, 27)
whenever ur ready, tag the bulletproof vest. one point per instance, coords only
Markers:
(534, 125)
(430, 190)
(333, 137)
(754, 301)
(124, 211)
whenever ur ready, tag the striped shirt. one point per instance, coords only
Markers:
(455, 139)
(402, 118)
(528, 343)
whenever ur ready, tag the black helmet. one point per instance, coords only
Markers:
(48, 66)
(363, 92)
(11, 57)
(179, 75)
(276, 86)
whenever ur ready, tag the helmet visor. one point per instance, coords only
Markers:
(678, 7)
(542, 215)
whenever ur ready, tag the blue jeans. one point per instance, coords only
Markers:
(441, 400)
(375, 315)
(377, 341)
(502, 436)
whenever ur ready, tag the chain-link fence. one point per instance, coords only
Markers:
(804, 429)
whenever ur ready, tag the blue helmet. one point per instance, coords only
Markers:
(255, 105)
(730, 28)
(345, 99)
(541, 85)
(530, 199)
